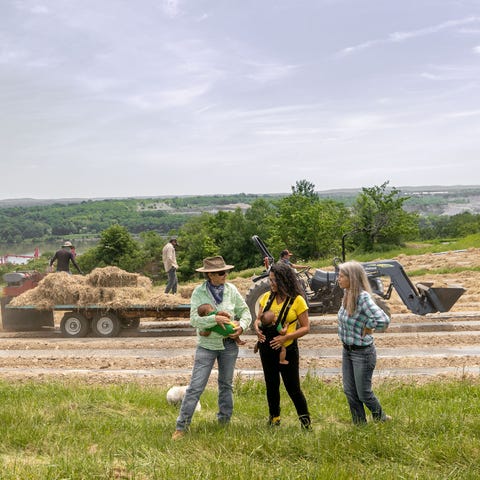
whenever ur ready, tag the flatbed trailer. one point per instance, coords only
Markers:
(79, 321)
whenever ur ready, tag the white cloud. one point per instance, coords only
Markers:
(401, 36)
(268, 72)
(167, 98)
(159, 88)
(171, 7)
(40, 10)
(407, 35)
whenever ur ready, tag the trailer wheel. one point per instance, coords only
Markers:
(74, 325)
(131, 323)
(106, 325)
(252, 299)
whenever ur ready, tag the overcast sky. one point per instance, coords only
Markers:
(118, 98)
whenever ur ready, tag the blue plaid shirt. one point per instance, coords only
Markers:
(367, 314)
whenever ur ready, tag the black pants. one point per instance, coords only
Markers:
(272, 370)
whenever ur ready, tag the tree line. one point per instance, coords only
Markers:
(303, 222)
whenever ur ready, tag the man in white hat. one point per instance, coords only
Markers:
(63, 257)
(224, 297)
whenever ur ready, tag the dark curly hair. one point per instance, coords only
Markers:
(286, 280)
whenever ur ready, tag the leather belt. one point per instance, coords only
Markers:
(355, 347)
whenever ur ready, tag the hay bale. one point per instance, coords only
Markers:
(161, 300)
(58, 288)
(110, 287)
(186, 291)
(116, 277)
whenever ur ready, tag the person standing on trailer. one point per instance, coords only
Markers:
(63, 257)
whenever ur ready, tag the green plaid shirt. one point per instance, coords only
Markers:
(232, 302)
(367, 314)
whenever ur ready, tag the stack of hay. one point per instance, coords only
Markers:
(111, 287)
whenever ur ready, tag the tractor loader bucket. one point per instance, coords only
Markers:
(441, 298)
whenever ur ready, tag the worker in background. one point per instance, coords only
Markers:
(285, 258)
(63, 257)
(169, 258)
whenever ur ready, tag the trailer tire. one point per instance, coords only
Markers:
(106, 325)
(131, 323)
(254, 294)
(74, 325)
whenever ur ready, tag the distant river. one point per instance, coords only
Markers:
(15, 253)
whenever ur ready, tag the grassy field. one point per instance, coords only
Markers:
(73, 430)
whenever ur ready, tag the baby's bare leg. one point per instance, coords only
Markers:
(283, 354)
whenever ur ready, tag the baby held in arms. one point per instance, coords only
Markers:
(205, 310)
(268, 320)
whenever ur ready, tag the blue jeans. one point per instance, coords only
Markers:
(172, 281)
(202, 368)
(357, 371)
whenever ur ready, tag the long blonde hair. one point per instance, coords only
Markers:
(358, 282)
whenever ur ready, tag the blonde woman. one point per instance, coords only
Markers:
(358, 317)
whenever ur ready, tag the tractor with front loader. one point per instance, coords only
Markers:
(324, 296)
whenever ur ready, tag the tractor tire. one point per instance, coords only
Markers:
(74, 325)
(106, 325)
(254, 294)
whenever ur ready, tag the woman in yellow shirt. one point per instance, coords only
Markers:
(286, 301)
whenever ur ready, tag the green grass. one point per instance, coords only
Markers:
(79, 431)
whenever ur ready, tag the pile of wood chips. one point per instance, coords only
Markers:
(110, 287)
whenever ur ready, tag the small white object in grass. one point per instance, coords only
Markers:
(175, 396)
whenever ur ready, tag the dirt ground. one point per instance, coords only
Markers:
(450, 346)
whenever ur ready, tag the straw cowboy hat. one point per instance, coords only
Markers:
(214, 264)
(67, 244)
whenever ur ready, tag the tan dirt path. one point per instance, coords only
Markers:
(121, 359)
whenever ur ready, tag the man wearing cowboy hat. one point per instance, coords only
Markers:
(215, 347)
(63, 257)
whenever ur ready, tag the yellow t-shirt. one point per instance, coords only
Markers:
(298, 306)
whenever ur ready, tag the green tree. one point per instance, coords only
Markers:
(117, 247)
(379, 218)
(236, 246)
(305, 189)
(310, 227)
(10, 233)
(151, 250)
(260, 220)
(196, 242)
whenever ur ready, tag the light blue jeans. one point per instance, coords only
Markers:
(202, 368)
(357, 372)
